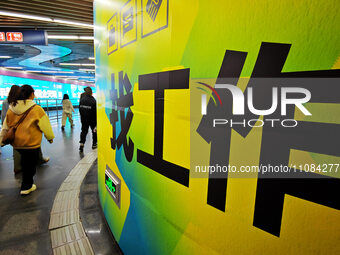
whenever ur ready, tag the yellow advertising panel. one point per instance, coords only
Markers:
(219, 128)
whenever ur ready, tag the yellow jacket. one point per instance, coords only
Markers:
(29, 133)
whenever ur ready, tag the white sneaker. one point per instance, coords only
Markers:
(45, 160)
(26, 192)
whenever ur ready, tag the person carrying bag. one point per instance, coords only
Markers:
(28, 135)
(10, 134)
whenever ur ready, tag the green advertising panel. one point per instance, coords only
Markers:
(219, 125)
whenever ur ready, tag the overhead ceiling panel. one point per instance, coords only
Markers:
(71, 10)
(75, 10)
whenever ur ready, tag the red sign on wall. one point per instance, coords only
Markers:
(14, 37)
(2, 37)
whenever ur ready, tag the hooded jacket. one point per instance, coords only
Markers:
(29, 133)
(88, 109)
(67, 106)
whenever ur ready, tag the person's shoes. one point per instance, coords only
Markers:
(62, 128)
(94, 146)
(81, 147)
(26, 192)
(45, 160)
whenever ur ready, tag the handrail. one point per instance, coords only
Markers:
(53, 104)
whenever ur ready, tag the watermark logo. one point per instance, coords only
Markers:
(212, 94)
(239, 99)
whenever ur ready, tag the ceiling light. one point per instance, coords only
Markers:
(91, 58)
(87, 70)
(25, 16)
(70, 64)
(36, 71)
(76, 64)
(49, 71)
(67, 37)
(48, 19)
(74, 77)
(70, 37)
(86, 37)
(13, 67)
(5, 57)
(73, 23)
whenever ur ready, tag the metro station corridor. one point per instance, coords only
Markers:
(216, 122)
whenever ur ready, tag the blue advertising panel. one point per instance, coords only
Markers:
(43, 89)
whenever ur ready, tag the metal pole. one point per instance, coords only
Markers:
(48, 113)
(56, 104)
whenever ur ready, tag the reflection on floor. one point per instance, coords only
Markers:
(24, 220)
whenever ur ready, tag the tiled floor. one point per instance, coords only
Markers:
(24, 220)
(92, 218)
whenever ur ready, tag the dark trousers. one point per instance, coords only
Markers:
(29, 159)
(84, 129)
(17, 159)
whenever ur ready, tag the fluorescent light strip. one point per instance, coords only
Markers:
(91, 58)
(76, 64)
(74, 77)
(86, 37)
(25, 16)
(13, 67)
(70, 64)
(5, 57)
(88, 65)
(48, 19)
(70, 37)
(50, 71)
(87, 70)
(61, 21)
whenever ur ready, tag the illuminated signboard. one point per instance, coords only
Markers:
(42, 89)
(112, 184)
(34, 37)
(14, 37)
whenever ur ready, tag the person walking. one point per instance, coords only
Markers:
(12, 100)
(67, 112)
(5, 105)
(28, 134)
(88, 117)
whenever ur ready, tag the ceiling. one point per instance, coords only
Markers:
(48, 58)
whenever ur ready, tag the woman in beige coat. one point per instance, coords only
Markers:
(67, 112)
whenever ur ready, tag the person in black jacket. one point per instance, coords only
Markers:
(88, 117)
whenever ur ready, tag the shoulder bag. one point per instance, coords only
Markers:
(10, 135)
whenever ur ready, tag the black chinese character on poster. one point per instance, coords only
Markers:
(159, 83)
(121, 111)
(276, 142)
